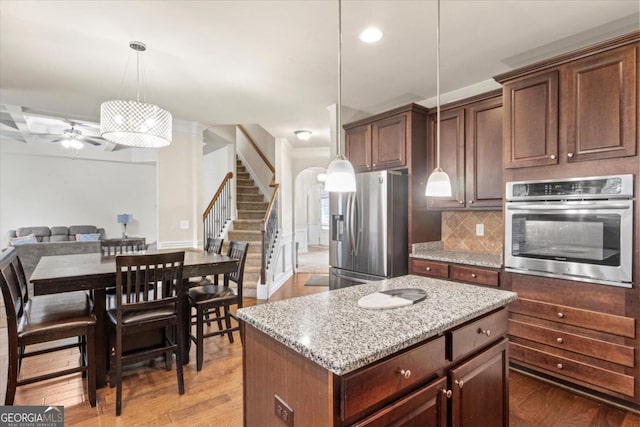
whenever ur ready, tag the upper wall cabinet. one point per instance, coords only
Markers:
(470, 152)
(580, 106)
(379, 145)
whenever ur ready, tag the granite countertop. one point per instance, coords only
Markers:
(331, 330)
(435, 251)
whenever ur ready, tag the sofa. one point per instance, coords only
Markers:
(54, 241)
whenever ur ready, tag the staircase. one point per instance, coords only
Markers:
(251, 207)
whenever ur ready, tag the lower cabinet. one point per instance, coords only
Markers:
(468, 386)
(459, 273)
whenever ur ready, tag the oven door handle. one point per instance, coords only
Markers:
(564, 207)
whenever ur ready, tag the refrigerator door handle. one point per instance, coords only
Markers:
(356, 220)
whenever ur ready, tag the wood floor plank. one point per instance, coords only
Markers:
(214, 395)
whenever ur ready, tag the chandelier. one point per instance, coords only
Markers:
(135, 123)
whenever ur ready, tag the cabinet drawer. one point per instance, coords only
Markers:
(599, 349)
(365, 388)
(481, 276)
(420, 408)
(618, 325)
(430, 268)
(568, 368)
(477, 334)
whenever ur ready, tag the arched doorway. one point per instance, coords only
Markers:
(311, 221)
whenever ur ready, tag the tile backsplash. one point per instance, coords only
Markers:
(459, 231)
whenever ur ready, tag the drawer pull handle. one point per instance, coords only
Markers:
(474, 275)
(447, 393)
(405, 373)
(459, 383)
(559, 365)
(560, 340)
(560, 315)
(428, 268)
(486, 332)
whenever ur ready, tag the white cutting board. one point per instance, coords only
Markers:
(393, 298)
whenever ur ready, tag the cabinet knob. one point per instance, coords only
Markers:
(428, 268)
(405, 373)
(559, 366)
(470, 202)
(486, 332)
(569, 155)
(459, 383)
(474, 275)
(374, 165)
(552, 157)
(447, 393)
(560, 315)
(461, 202)
(559, 340)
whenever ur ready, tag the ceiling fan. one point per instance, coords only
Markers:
(70, 134)
(73, 138)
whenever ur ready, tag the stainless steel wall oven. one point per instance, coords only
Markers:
(577, 229)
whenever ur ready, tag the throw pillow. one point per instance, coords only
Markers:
(29, 238)
(91, 237)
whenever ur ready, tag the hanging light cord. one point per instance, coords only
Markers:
(438, 90)
(339, 109)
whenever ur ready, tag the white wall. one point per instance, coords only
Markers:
(251, 159)
(215, 166)
(49, 188)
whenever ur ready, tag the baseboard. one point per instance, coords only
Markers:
(278, 282)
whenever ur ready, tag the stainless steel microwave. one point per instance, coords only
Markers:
(576, 229)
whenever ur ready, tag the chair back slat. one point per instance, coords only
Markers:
(148, 281)
(113, 247)
(214, 245)
(11, 294)
(237, 250)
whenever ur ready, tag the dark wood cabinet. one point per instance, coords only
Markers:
(576, 108)
(480, 390)
(600, 109)
(531, 121)
(470, 152)
(458, 272)
(484, 154)
(357, 147)
(379, 145)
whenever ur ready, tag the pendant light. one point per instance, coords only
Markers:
(135, 123)
(438, 184)
(341, 178)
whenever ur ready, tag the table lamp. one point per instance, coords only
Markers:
(125, 219)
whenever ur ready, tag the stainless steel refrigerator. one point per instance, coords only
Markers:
(369, 232)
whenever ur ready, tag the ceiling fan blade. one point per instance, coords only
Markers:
(59, 139)
(92, 140)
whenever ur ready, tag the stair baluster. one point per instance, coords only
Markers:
(218, 213)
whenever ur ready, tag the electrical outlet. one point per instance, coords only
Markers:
(479, 229)
(283, 411)
(184, 225)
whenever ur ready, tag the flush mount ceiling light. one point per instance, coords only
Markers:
(135, 123)
(370, 35)
(439, 184)
(341, 178)
(303, 135)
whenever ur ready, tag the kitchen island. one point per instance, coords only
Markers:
(320, 360)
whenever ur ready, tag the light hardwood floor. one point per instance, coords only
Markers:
(214, 395)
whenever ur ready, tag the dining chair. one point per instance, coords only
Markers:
(149, 291)
(208, 299)
(44, 319)
(113, 247)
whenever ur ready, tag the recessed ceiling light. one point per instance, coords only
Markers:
(371, 35)
(303, 135)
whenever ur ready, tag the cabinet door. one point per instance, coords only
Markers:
(480, 389)
(425, 407)
(451, 156)
(600, 99)
(531, 121)
(389, 143)
(484, 154)
(357, 147)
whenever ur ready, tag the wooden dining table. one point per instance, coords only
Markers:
(94, 272)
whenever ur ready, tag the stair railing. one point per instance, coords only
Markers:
(218, 213)
(269, 225)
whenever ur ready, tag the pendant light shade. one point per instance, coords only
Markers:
(438, 184)
(135, 123)
(341, 178)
